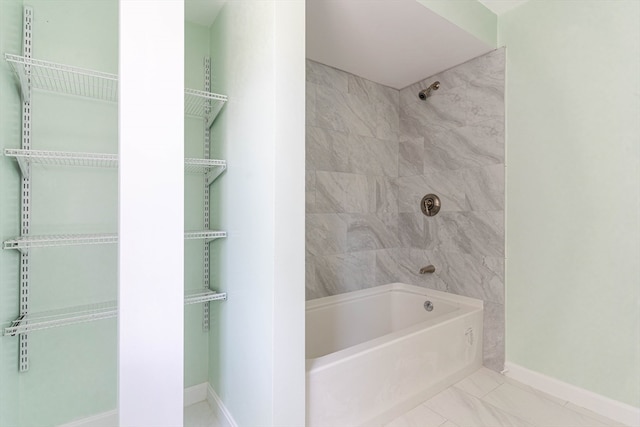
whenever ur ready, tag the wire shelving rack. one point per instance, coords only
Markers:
(198, 103)
(53, 77)
(40, 75)
(211, 168)
(29, 242)
(91, 312)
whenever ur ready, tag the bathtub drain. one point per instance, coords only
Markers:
(428, 305)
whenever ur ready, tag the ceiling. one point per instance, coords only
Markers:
(501, 6)
(393, 42)
(202, 12)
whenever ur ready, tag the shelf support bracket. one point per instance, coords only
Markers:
(213, 175)
(25, 86)
(25, 167)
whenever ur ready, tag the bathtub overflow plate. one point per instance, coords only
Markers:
(428, 305)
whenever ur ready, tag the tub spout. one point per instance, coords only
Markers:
(427, 269)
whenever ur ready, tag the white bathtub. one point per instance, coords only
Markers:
(376, 353)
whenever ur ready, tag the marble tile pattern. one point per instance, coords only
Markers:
(200, 415)
(484, 398)
(372, 152)
(453, 145)
(487, 398)
(352, 145)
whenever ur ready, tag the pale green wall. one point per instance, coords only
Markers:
(72, 369)
(257, 335)
(470, 15)
(573, 192)
(196, 356)
(240, 345)
(10, 41)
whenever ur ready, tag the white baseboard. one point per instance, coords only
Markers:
(221, 411)
(105, 419)
(194, 394)
(612, 409)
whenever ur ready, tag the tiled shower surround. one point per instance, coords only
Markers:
(373, 152)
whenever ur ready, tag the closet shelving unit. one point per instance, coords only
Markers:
(33, 74)
(211, 168)
(28, 242)
(87, 313)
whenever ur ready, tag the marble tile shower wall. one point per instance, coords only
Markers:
(373, 152)
(351, 180)
(453, 145)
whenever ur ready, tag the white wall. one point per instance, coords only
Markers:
(151, 214)
(257, 341)
(289, 224)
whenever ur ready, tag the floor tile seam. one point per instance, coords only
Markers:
(585, 414)
(524, 388)
(446, 420)
(540, 395)
(537, 392)
(508, 411)
(479, 397)
(493, 407)
(424, 404)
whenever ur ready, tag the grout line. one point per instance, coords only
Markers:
(524, 387)
(489, 405)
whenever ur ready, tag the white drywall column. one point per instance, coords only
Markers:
(289, 150)
(151, 253)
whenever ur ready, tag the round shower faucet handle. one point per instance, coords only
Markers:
(430, 204)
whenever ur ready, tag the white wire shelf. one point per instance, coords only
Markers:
(60, 78)
(206, 235)
(203, 104)
(29, 242)
(203, 295)
(211, 168)
(53, 77)
(55, 318)
(88, 313)
(25, 158)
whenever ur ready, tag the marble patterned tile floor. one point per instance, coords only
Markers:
(486, 398)
(200, 415)
(483, 399)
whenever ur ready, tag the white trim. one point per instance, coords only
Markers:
(105, 419)
(192, 395)
(612, 409)
(221, 411)
(151, 213)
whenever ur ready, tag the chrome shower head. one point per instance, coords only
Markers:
(424, 93)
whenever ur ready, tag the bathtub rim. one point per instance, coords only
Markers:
(397, 286)
(466, 307)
